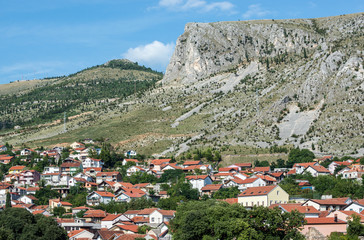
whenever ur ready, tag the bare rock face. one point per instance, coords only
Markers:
(210, 48)
(270, 82)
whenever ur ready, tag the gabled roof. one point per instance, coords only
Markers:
(131, 228)
(70, 164)
(299, 208)
(100, 174)
(147, 211)
(319, 168)
(305, 165)
(139, 219)
(197, 177)
(167, 212)
(187, 163)
(104, 194)
(261, 169)
(292, 171)
(333, 201)
(230, 200)
(227, 169)
(96, 169)
(95, 214)
(160, 161)
(211, 187)
(326, 220)
(266, 178)
(16, 168)
(111, 217)
(257, 191)
(276, 174)
(131, 160)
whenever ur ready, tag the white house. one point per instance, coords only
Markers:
(28, 199)
(110, 219)
(92, 162)
(300, 167)
(130, 153)
(332, 166)
(317, 170)
(199, 181)
(97, 197)
(159, 216)
(328, 204)
(356, 206)
(134, 169)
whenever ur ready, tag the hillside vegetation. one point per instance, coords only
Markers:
(241, 87)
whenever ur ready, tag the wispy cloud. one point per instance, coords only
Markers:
(202, 5)
(155, 54)
(255, 11)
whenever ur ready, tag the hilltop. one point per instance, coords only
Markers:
(242, 87)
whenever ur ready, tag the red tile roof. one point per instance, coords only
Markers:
(333, 201)
(95, 214)
(196, 177)
(100, 174)
(231, 200)
(111, 217)
(242, 164)
(211, 187)
(256, 191)
(134, 236)
(147, 211)
(227, 169)
(132, 228)
(132, 160)
(160, 161)
(320, 169)
(261, 169)
(186, 163)
(305, 165)
(70, 164)
(292, 171)
(16, 168)
(313, 221)
(298, 207)
(105, 194)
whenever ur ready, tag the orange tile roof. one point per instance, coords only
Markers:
(266, 178)
(230, 200)
(70, 164)
(223, 174)
(195, 177)
(95, 214)
(305, 165)
(38, 212)
(261, 169)
(132, 160)
(292, 171)
(99, 174)
(191, 163)
(325, 220)
(132, 228)
(298, 207)
(167, 212)
(17, 168)
(160, 161)
(333, 201)
(139, 219)
(111, 217)
(320, 169)
(97, 169)
(104, 194)
(211, 187)
(242, 164)
(147, 211)
(134, 236)
(257, 191)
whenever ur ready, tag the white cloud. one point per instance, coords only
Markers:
(169, 3)
(155, 54)
(255, 10)
(185, 5)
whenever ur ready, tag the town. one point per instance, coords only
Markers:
(94, 193)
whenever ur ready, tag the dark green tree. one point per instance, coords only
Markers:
(8, 200)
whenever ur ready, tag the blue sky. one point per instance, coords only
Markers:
(43, 38)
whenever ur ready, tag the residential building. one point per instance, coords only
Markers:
(97, 197)
(317, 170)
(108, 176)
(328, 204)
(199, 181)
(263, 196)
(29, 177)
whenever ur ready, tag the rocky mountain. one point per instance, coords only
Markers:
(244, 85)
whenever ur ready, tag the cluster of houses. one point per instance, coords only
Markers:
(259, 186)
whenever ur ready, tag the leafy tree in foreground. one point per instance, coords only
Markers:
(17, 223)
(219, 220)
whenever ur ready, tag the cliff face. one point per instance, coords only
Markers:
(210, 48)
(275, 81)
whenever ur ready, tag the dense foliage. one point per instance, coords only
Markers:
(219, 220)
(18, 223)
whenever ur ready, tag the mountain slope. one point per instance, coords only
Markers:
(242, 87)
(74, 94)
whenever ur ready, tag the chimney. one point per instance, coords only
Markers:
(335, 218)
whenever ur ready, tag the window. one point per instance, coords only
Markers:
(152, 219)
(277, 192)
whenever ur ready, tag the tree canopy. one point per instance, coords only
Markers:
(218, 220)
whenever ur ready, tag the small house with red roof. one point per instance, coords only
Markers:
(156, 164)
(80, 234)
(126, 160)
(356, 206)
(77, 145)
(261, 170)
(300, 167)
(108, 176)
(332, 166)
(26, 152)
(191, 163)
(263, 196)
(28, 199)
(71, 167)
(242, 166)
(134, 169)
(199, 181)
(59, 203)
(28, 177)
(308, 211)
(324, 225)
(97, 197)
(16, 169)
(159, 216)
(110, 219)
(316, 170)
(210, 189)
(130, 193)
(92, 163)
(328, 204)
